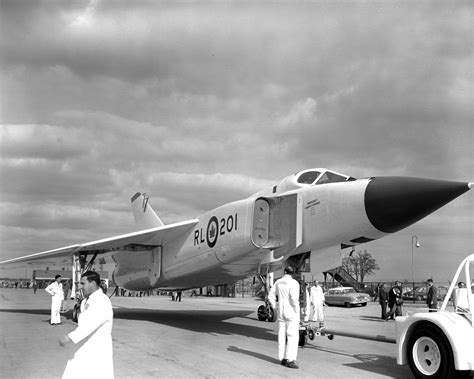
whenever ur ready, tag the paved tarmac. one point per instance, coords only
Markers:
(199, 337)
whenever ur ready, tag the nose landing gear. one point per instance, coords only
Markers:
(266, 312)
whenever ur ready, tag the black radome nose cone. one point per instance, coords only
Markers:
(393, 203)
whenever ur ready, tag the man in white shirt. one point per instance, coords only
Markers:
(317, 303)
(55, 289)
(287, 290)
(95, 328)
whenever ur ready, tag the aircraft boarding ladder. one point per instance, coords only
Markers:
(344, 278)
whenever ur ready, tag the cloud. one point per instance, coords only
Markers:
(201, 104)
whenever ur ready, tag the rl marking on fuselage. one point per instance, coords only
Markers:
(214, 229)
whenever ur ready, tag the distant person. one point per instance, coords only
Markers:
(460, 285)
(194, 293)
(432, 297)
(304, 301)
(395, 301)
(103, 285)
(94, 358)
(287, 290)
(317, 303)
(35, 286)
(377, 292)
(55, 289)
(66, 288)
(178, 296)
(383, 300)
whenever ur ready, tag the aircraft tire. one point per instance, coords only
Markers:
(311, 335)
(430, 354)
(75, 312)
(271, 315)
(262, 313)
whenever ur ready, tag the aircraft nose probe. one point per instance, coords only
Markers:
(393, 203)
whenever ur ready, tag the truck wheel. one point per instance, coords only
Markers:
(262, 313)
(430, 354)
(347, 305)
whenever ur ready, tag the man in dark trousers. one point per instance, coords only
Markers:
(383, 299)
(432, 298)
(395, 301)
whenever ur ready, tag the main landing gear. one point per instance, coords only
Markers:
(79, 266)
(265, 312)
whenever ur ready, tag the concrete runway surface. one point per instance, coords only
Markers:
(199, 337)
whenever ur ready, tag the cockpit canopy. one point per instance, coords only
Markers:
(319, 176)
(300, 179)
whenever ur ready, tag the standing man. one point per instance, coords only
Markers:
(67, 288)
(304, 301)
(432, 298)
(55, 289)
(317, 303)
(383, 299)
(95, 327)
(377, 292)
(287, 290)
(395, 301)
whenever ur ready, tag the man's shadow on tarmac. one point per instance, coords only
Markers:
(254, 354)
(378, 364)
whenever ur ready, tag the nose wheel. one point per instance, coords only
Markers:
(266, 313)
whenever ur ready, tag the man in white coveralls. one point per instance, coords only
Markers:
(95, 329)
(317, 303)
(55, 289)
(287, 290)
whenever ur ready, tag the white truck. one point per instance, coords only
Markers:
(441, 344)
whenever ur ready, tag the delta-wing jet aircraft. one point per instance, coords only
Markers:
(315, 212)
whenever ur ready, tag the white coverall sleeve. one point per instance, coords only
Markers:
(49, 290)
(272, 296)
(89, 322)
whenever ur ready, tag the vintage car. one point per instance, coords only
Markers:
(346, 296)
(421, 293)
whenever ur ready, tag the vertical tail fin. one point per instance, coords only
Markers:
(144, 215)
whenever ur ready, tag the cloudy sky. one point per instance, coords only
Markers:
(199, 104)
